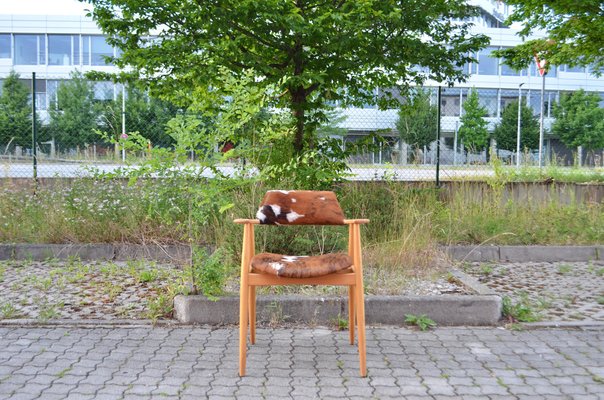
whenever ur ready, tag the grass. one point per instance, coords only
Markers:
(564, 268)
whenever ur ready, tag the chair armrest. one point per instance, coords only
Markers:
(246, 221)
(356, 221)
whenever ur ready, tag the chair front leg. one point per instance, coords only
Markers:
(351, 313)
(252, 308)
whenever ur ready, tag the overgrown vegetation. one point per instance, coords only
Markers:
(408, 223)
(421, 321)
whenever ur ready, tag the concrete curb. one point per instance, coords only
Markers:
(525, 253)
(484, 308)
(180, 254)
(445, 310)
(177, 254)
(563, 324)
(87, 323)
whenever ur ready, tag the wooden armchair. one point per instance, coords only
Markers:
(281, 207)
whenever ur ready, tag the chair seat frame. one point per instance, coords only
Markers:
(351, 277)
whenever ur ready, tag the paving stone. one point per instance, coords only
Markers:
(414, 373)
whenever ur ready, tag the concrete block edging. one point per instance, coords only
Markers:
(181, 253)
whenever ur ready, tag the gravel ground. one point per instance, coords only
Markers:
(141, 290)
(75, 290)
(558, 291)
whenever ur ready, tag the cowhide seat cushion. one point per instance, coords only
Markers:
(300, 266)
(300, 207)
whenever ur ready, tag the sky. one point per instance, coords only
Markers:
(43, 7)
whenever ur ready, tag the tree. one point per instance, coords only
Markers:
(145, 114)
(417, 120)
(316, 52)
(74, 116)
(575, 33)
(506, 132)
(580, 120)
(15, 112)
(473, 131)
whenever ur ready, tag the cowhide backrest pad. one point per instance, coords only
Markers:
(300, 207)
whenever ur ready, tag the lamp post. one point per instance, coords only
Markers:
(519, 124)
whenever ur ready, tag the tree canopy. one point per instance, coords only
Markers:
(507, 130)
(316, 52)
(574, 29)
(74, 115)
(15, 112)
(417, 119)
(473, 131)
(580, 120)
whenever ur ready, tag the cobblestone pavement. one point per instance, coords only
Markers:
(557, 291)
(201, 363)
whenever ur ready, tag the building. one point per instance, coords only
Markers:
(53, 46)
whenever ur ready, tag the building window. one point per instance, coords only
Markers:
(450, 102)
(99, 50)
(506, 70)
(76, 50)
(5, 45)
(487, 98)
(575, 69)
(103, 91)
(487, 64)
(59, 50)
(508, 97)
(52, 86)
(30, 49)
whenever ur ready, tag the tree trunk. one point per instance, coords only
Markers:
(298, 100)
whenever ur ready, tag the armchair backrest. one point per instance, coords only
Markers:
(300, 207)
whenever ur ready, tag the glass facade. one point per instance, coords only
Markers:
(27, 49)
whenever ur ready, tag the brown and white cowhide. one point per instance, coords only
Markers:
(300, 266)
(300, 207)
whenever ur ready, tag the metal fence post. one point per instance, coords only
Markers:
(34, 130)
(438, 138)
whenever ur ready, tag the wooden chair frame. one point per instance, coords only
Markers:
(351, 277)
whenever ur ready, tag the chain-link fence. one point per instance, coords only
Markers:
(78, 121)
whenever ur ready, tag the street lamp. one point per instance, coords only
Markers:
(518, 132)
